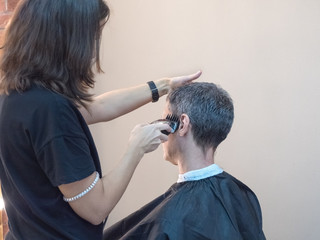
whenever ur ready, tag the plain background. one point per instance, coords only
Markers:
(266, 54)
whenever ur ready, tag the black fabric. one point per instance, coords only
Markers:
(216, 208)
(44, 142)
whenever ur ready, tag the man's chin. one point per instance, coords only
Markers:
(170, 160)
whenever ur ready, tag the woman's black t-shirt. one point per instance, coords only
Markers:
(44, 142)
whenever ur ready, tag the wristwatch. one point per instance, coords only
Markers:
(154, 91)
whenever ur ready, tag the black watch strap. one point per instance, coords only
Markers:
(154, 91)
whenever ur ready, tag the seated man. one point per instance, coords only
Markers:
(206, 202)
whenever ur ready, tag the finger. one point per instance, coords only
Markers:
(189, 77)
(195, 75)
(185, 79)
(163, 137)
(163, 126)
(152, 147)
(139, 126)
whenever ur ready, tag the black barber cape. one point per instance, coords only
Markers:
(217, 208)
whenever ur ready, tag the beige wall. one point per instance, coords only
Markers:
(267, 55)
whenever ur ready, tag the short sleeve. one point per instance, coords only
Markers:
(59, 140)
(66, 159)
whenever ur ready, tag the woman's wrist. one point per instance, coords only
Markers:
(163, 86)
(134, 153)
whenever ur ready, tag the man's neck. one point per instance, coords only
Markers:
(194, 158)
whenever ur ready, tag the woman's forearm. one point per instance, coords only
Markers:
(113, 104)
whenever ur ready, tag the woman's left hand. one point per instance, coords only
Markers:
(165, 85)
(182, 80)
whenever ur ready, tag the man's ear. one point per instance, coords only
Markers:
(184, 125)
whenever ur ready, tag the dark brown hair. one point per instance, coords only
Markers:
(53, 43)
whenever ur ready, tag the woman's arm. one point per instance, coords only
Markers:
(113, 104)
(96, 205)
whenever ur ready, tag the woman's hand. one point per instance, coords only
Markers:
(165, 85)
(146, 138)
(182, 80)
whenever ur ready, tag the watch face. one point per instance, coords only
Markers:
(172, 120)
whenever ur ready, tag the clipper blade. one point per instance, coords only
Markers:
(172, 120)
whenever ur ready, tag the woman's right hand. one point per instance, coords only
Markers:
(146, 138)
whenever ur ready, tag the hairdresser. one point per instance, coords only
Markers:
(50, 172)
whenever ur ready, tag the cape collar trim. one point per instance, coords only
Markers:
(198, 174)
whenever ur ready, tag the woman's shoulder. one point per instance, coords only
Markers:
(38, 102)
(41, 98)
(45, 95)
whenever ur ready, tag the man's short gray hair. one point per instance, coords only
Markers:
(209, 108)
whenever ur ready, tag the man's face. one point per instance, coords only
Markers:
(170, 146)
